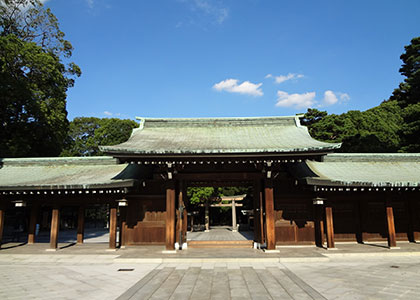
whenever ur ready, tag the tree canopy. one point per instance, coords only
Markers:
(87, 133)
(392, 126)
(198, 195)
(33, 80)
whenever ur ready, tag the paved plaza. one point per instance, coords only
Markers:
(91, 272)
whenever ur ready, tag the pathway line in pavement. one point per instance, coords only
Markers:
(303, 285)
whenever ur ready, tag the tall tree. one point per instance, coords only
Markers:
(408, 97)
(408, 91)
(33, 80)
(87, 133)
(374, 130)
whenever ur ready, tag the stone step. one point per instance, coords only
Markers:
(221, 244)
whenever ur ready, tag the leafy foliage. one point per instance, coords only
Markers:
(410, 131)
(392, 126)
(199, 195)
(33, 80)
(408, 91)
(87, 133)
(374, 130)
(408, 97)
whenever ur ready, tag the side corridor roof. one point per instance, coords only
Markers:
(65, 173)
(359, 169)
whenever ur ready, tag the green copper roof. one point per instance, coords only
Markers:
(219, 136)
(377, 170)
(64, 173)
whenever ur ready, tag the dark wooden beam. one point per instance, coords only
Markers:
(216, 177)
(113, 226)
(392, 241)
(358, 221)
(269, 215)
(80, 224)
(55, 227)
(330, 226)
(210, 183)
(32, 223)
(170, 217)
(1, 224)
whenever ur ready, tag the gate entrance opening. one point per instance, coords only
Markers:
(220, 216)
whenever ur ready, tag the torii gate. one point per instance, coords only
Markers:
(233, 203)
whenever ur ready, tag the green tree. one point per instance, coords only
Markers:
(408, 91)
(374, 130)
(87, 133)
(408, 97)
(33, 80)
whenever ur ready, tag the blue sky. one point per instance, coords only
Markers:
(204, 58)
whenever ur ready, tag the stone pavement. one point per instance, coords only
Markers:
(91, 272)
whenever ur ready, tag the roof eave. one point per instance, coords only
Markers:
(121, 184)
(333, 183)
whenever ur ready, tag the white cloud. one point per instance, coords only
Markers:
(297, 101)
(283, 78)
(246, 87)
(107, 113)
(344, 97)
(307, 100)
(213, 9)
(90, 3)
(329, 98)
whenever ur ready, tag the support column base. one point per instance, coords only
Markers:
(271, 251)
(169, 251)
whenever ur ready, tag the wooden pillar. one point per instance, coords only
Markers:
(113, 226)
(207, 215)
(257, 208)
(391, 226)
(261, 216)
(32, 224)
(123, 226)
(269, 215)
(185, 226)
(184, 223)
(55, 227)
(234, 225)
(319, 224)
(412, 215)
(179, 234)
(80, 224)
(170, 217)
(358, 221)
(330, 226)
(1, 224)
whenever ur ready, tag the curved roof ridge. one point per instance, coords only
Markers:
(224, 135)
(218, 121)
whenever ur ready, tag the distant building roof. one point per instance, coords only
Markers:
(64, 173)
(278, 135)
(359, 169)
